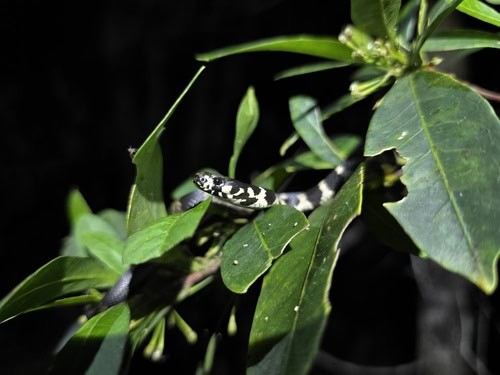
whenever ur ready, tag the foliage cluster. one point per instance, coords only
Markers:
(446, 140)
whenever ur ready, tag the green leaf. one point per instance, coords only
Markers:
(450, 137)
(273, 177)
(339, 105)
(407, 21)
(146, 196)
(250, 252)
(162, 235)
(117, 220)
(293, 304)
(106, 248)
(69, 301)
(58, 278)
(98, 346)
(318, 46)
(306, 120)
(187, 186)
(310, 68)
(383, 225)
(246, 122)
(376, 17)
(438, 13)
(88, 222)
(481, 11)
(461, 39)
(77, 206)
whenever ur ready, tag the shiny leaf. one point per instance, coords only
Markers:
(98, 346)
(376, 17)
(250, 252)
(310, 68)
(318, 46)
(481, 11)
(246, 122)
(306, 120)
(162, 235)
(146, 196)
(77, 206)
(106, 248)
(461, 39)
(273, 177)
(450, 137)
(293, 304)
(58, 278)
(438, 13)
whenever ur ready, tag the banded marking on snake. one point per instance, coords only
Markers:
(240, 194)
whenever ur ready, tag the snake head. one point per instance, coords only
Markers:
(209, 182)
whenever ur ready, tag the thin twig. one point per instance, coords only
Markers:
(487, 94)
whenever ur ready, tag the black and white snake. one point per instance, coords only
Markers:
(228, 191)
(240, 195)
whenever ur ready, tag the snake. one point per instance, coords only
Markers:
(238, 195)
(234, 193)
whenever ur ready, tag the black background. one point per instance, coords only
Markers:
(83, 81)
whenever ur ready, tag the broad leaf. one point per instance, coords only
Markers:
(106, 248)
(162, 235)
(461, 39)
(376, 17)
(293, 304)
(77, 206)
(383, 225)
(117, 220)
(335, 107)
(98, 346)
(146, 197)
(246, 122)
(58, 278)
(310, 68)
(87, 222)
(481, 11)
(318, 46)
(250, 252)
(450, 137)
(306, 120)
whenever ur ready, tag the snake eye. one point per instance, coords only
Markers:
(218, 181)
(203, 180)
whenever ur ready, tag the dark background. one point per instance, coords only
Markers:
(83, 81)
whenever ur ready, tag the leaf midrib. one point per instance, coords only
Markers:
(458, 213)
(304, 287)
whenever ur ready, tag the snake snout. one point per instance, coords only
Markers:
(199, 178)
